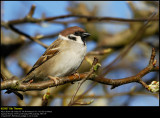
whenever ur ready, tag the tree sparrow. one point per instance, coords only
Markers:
(62, 57)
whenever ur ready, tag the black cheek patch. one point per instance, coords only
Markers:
(72, 38)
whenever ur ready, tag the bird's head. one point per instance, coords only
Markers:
(75, 33)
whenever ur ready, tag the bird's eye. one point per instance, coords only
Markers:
(72, 38)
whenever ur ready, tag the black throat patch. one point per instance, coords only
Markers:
(78, 33)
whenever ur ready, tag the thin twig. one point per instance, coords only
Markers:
(126, 49)
(27, 36)
(31, 12)
(95, 61)
(80, 96)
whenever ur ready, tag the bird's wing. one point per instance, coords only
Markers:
(51, 51)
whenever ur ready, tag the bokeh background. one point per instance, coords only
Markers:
(132, 94)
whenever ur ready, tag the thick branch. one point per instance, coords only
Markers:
(15, 84)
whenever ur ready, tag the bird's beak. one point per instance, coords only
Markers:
(85, 35)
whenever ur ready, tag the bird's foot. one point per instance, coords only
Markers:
(56, 80)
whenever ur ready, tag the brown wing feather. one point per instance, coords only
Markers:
(50, 52)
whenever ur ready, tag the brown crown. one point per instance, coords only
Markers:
(71, 30)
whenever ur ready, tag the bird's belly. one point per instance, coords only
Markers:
(67, 64)
(64, 63)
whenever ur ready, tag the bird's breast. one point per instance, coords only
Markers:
(67, 61)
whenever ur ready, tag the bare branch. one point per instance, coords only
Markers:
(16, 85)
(31, 12)
(95, 61)
(27, 36)
(89, 18)
(126, 49)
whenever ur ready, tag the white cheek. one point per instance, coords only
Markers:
(78, 38)
(62, 37)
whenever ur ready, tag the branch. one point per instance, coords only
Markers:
(45, 97)
(82, 95)
(31, 12)
(92, 70)
(89, 18)
(16, 85)
(100, 52)
(14, 29)
(128, 47)
(27, 36)
(30, 19)
(137, 78)
(26, 68)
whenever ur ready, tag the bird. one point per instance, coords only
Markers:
(62, 58)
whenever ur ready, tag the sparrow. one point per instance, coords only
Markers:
(62, 58)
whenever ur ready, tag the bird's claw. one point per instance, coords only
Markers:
(56, 80)
(76, 74)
